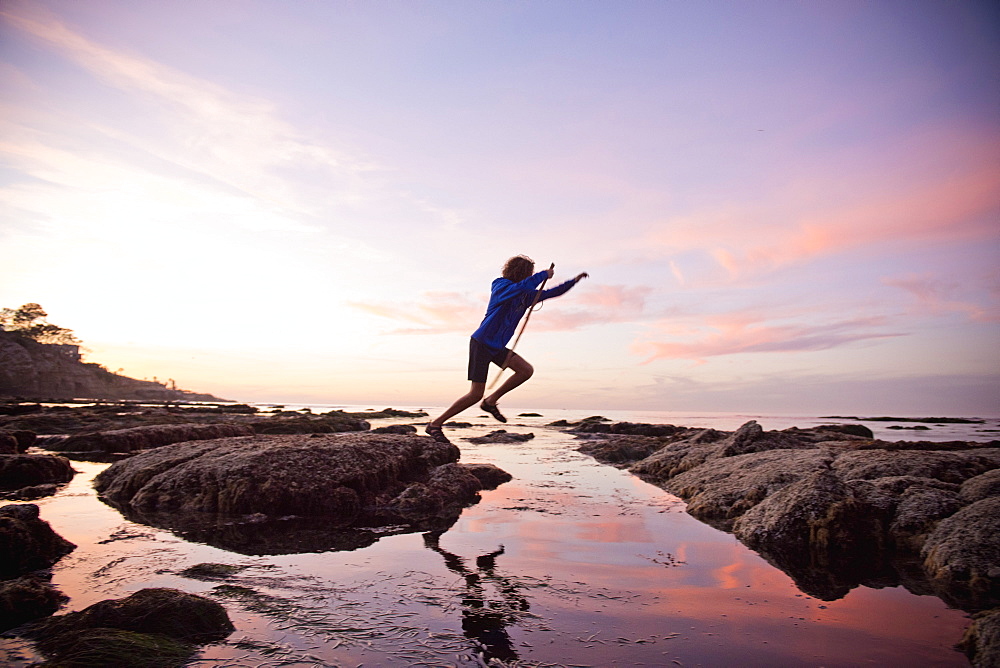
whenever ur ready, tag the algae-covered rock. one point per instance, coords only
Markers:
(287, 494)
(963, 553)
(490, 476)
(621, 450)
(27, 542)
(337, 474)
(152, 627)
(26, 598)
(501, 436)
(981, 486)
(732, 485)
(981, 642)
(148, 436)
(395, 429)
(814, 527)
(947, 466)
(17, 471)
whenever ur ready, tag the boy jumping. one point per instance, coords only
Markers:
(511, 296)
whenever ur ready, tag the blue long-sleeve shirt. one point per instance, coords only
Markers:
(508, 302)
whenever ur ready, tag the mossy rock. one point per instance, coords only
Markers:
(157, 611)
(211, 571)
(103, 647)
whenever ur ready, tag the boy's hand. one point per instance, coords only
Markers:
(551, 270)
(581, 275)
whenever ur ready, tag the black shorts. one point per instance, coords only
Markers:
(480, 356)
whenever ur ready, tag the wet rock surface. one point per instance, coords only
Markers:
(89, 421)
(27, 598)
(289, 493)
(26, 470)
(27, 542)
(501, 436)
(982, 639)
(835, 508)
(152, 627)
(148, 436)
(27, 545)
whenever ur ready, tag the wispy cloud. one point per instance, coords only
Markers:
(232, 138)
(950, 197)
(441, 312)
(736, 333)
(937, 296)
(433, 313)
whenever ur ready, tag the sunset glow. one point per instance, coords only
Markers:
(782, 206)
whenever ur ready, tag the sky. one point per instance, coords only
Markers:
(786, 207)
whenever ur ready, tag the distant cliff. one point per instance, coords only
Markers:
(33, 370)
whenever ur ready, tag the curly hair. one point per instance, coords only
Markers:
(518, 268)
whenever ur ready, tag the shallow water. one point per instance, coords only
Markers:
(571, 563)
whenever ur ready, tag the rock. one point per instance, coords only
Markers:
(210, 571)
(955, 467)
(149, 436)
(89, 648)
(678, 456)
(501, 436)
(912, 506)
(982, 639)
(529, 415)
(621, 450)
(981, 486)
(19, 408)
(34, 492)
(345, 482)
(27, 542)
(835, 508)
(729, 487)
(8, 444)
(25, 599)
(275, 475)
(918, 511)
(963, 554)
(152, 627)
(17, 471)
(849, 429)
(813, 529)
(489, 476)
(396, 429)
(328, 423)
(25, 439)
(828, 432)
(449, 488)
(694, 449)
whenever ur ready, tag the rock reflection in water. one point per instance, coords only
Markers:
(259, 535)
(485, 621)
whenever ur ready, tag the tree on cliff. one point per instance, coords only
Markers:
(29, 321)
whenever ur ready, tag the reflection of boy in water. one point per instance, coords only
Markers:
(485, 625)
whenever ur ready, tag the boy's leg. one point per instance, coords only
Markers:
(522, 372)
(474, 394)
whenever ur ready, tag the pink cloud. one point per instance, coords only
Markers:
(433, 313)
(734, 334)
(944, 188)
(441, 312)
(937, 296)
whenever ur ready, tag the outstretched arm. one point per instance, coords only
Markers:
(562, 288)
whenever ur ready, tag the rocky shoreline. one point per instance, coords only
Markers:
(835, 508)
(831, 506)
